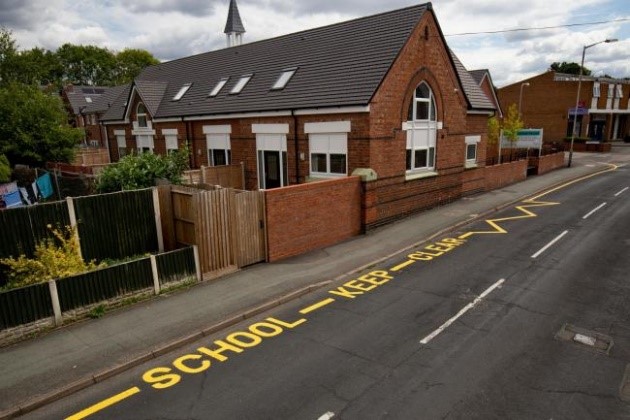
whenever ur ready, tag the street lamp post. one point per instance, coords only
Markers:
(520, 98)
(577, 99)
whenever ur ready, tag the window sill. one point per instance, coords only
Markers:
(470, 165)
(323, 177)
(409, 176)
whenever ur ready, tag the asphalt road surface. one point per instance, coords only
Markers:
(524, 315)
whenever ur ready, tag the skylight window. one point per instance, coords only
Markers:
(241, 83)
(284, 79)
(182, 91)
(88, 99)
(218, 87)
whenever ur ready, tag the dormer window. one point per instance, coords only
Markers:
(218, 87)
(238, 87)
(284, 78)
(619, 92)
(182, 92)
(141, 115)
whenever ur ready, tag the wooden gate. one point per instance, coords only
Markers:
(226, 225)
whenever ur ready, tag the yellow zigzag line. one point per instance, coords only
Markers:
(523, 208)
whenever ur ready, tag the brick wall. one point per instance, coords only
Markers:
(305, 217)
(547, 163)
(498, 176)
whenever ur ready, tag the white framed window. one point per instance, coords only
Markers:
(421, 130)
(238, 87)
(218, 144)
(144, 143)
(182, 91)
(219, 151)
(471, 150)
(284, 78)
(141, 115)
(609, 97)
(328, 154)
(217, 88)
(121, 142)
(619, 91)
(170, 138)
(596, 90)
(271, 154)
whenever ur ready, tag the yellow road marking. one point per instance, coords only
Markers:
(104, 404)
(316, 306)
(402, 265)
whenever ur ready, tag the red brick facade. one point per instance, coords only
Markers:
(376, 139)
(311, 216)
(545, 103)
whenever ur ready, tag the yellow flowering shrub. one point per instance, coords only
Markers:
(54, 258)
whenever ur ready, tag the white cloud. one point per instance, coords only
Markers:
(175, 28)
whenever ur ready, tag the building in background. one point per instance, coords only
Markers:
(548, 102)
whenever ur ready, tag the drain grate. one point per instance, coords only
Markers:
(587, 339)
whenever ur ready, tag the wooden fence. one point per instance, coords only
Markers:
(227, 176)
(109, 226)
(227, 225)
(65, 297)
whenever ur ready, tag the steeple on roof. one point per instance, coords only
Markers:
(234, 23)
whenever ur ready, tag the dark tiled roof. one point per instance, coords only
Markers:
(151, 93)
(478, 75)
(83, 96)
(337, 65)
(103, 102)
(234, 23)
(476, 97)
(117, 110)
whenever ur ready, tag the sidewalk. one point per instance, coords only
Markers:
(46, 368)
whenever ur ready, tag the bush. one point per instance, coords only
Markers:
(54, 258)
(141, 171)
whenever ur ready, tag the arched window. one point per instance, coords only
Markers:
(422, 106)
(421, 130)
(141, 115)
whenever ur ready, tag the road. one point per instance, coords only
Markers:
(480, 323)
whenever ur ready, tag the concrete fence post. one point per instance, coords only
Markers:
(158, 219)
(54, 297)
(73, 223)
(197, 262)
(156, 277)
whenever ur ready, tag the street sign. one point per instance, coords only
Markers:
(530, 138)
(580, 111)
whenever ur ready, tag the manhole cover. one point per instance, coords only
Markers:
(584, 338)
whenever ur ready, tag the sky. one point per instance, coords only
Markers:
(172, 29)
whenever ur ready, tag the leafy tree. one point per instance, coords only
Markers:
(8, 51)
(569, 68)
(142, 171)
(5, 169)
(494, 130)
(86, 64)
(130, 62)
(38, 67)
(512, 123)
(34, 126)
